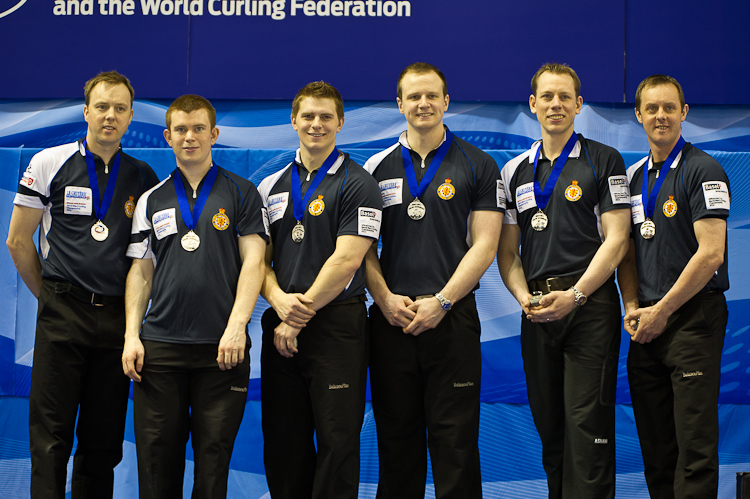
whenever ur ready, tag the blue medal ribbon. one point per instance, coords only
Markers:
(298, 204)
(101, 206)
(651, 205)
(189, 218)
(542, 196)
(418, 189)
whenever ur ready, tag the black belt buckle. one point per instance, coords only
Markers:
(97, 300)
(550, 281)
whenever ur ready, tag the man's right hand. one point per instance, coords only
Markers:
(395, 310)
(293, 309)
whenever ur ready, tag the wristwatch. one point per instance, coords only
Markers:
(445, 303)
(580, 297)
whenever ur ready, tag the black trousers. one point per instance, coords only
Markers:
(77, 371)
(674, 385)
(571, 375)
(184, 393)
(425, 393)
(321, 391)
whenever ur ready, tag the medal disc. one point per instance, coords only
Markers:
(190, 241)
(539, 221)
(648, 229)
(416, 210)
(99, 231)
(298, 232)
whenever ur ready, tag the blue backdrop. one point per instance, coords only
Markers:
(255, 140)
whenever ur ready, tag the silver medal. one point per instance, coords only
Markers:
(190, 241)
(648, 229)
(539, 221)
(298, 232)
(416, 210)
(99, 231)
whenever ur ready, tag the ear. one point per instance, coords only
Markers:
(214, 135)
(294, 123)
(532, 103)
(579, 104)
(638, 116)
(400, 105)
(168, 137)
(447, 101)
(85, 113)
(341, 124)
(684, 113)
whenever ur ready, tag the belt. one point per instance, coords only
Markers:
(348, 301)
(554, 283)
(94, 299)
(651, 303)
(422, 297)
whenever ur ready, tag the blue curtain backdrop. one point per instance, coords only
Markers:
(256, 140)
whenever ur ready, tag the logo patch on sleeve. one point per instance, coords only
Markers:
(277, 206)
(618, 189)
(368, 222)
(500, 192)
(716, 194)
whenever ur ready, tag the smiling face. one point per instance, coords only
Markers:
(317, 124)
(422, 101)
(108, 115)
(661, 115)
(190, 135)
(555, 104)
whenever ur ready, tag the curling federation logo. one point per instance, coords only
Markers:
(317, 206)
(446, 190)
(220, 220)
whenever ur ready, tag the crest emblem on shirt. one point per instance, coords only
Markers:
(446, 190)
(129, 207)
(670, 207)
(220, 220)
(317, 206)
(573, 192)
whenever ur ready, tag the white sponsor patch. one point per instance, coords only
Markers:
(28, 179)
(77, 201)
(391, 191)
(716, 194)
(164, 223)
(277, 206)
(618, 189)
(637, 213)
(368, 222)
(500, 194)
(525, 197)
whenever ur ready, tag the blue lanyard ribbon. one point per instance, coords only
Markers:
(298, 204)
(542, 196)
(101, 206)
(418, 189)
(189, 218)
(651, 205)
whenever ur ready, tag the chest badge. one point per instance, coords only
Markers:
(129, 207)
(317, 206)
(446, 190)
(670, 207)
(573, 192)
(220, 220)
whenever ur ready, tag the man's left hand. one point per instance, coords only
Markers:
(651, 323)
(429, 314)
(554, 306)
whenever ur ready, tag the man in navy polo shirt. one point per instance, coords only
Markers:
(441, 222)
(673, 281)
(567, 200)
(198, 241)
(84, 195)
(324, 212)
